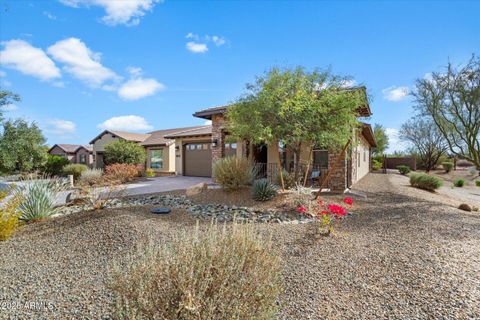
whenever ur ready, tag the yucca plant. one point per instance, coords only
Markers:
(39, 197)
(263, 190)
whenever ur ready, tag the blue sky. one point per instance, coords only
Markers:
(84, 65)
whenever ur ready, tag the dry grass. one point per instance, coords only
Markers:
(222, 273)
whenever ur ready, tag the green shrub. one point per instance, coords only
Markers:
(124, 152)
(403, 169)
(288, 179)
(447, 166)
(263, 190)
(9, 217)
(233, 173)
(149, 172)
(222, 273)
(38, 198)
(74, 169)
(91, 176)
(425, 181)
(55, 164)
(459, 183)
(376, 165)
(477, 183)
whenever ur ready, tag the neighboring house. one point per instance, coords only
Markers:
(75, 153)
(160, 150)
(198, 150)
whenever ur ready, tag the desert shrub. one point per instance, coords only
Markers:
(74, 169)
(263, 190)
(125, 152)
(221, 273)
(447, 166)
(91, 176)
(459, 183)
(39, 197)
(122, 172)
(100, 197)
(149, 172)
(377, 165)
(9, 215)
(55, 164)
(425, 181)
(403, 169)
(288, 179)
(233, 173)
(477, 183)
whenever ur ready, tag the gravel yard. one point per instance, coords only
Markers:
(402, 255)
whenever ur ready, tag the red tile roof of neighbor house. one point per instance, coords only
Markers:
(363, 111)
(71, 148)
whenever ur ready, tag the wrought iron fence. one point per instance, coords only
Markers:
(315, 172)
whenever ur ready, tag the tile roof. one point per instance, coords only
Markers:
(208, 112)
(71, 148)
(191, 132)
(131, 136)
(161, 137)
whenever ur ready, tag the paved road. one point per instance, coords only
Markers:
(163, 184)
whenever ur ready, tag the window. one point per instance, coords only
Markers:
(364, 155)
(320, 158)
(156, 159)
(83, 158)
(358, 157)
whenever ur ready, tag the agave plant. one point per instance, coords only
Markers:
(263, 190)
(39, 197)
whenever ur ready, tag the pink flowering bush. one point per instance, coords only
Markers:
(326, 214)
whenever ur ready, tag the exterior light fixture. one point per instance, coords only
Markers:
(214, 143)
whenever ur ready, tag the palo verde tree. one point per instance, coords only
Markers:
(381, 138)
(429, 144)
(296, 107)
(452, 100)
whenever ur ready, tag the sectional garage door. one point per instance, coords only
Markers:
(198, 159)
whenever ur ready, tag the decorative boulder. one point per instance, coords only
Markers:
(465, 207)
(196, 189)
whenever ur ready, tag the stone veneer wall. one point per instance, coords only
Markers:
(218, 133)
(338, 179)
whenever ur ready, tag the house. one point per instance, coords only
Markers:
(160, 150)
(198, 149)
(75, 153)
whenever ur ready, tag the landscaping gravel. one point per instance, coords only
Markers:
(401, 256)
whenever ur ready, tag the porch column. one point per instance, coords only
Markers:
(218, 135)
(338, 180)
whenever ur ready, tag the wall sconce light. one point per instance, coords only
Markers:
(214, 143)
(177, 148)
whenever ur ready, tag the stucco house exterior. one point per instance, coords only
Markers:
(75, 153)
(198, 150)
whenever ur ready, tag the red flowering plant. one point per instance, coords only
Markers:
(326, 214)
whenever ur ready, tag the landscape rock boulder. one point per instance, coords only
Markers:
(196, 189)
(465, 207)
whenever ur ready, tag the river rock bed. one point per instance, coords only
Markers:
(219, 212)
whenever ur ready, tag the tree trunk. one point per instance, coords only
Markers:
(308, 165)
(334, 167)
(280, 169)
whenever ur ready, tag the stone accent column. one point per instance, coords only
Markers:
(338, 178)
(218, 134)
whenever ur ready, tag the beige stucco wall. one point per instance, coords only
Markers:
(179, 153)
(99, 145)
(168, 158)
(360, 159)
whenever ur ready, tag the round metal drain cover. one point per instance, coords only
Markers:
(160, 210)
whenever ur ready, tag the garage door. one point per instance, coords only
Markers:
(198, 159)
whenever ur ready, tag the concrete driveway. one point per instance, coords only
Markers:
(163, 184)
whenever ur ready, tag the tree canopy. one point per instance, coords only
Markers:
(6, 98)
(451, 98)
(21, 146)
(294, 106)
(381, 138)
(121, 151)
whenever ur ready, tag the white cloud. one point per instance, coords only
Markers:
(139, 88)
(135, 71)
(49, 15)
(128, 123)
(9, 107)
(81, 62)
(22, 56)
(62, 127)
(395, 93)
(394, 141)
(196, 47)
(198, 44)
(207, 122)
(126, 12)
